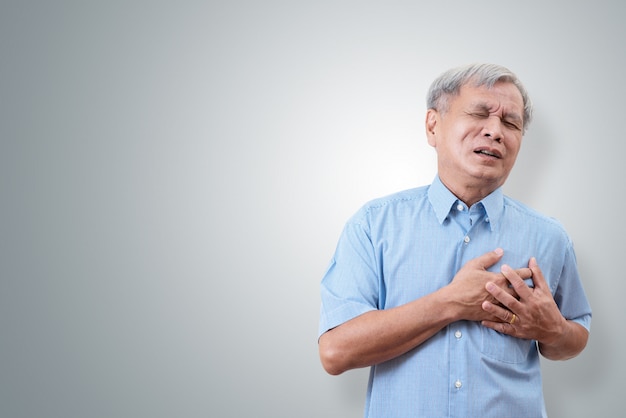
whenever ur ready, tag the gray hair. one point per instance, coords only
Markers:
(450, 83)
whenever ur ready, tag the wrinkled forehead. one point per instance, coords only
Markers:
(501, 96)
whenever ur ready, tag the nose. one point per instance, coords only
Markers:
(492, 128)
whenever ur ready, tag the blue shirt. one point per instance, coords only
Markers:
(407, 245)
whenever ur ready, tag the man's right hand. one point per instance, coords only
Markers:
(468, 285)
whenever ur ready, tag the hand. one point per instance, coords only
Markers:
(468, 287)
(534, 315)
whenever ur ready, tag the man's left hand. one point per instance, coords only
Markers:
(534, 316)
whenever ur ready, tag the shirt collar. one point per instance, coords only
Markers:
(442, 201)
(494, 206)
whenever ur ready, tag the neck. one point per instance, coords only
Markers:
(469, 193)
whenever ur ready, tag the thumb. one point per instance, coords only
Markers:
(489, 259)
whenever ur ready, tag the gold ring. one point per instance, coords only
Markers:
(513, 318)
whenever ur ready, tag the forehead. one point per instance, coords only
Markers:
(501, 96)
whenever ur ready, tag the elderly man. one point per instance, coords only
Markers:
(450, 292)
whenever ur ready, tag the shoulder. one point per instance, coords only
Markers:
(532, 217)
(396, 203)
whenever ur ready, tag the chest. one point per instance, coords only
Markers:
(418, 257)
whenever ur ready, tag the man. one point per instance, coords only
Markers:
(438, 289)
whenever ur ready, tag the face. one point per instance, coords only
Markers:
(477, 137)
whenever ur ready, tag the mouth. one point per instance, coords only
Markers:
(488, 152)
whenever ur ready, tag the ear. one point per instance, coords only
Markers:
(432, 118)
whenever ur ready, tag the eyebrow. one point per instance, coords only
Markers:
(510, 116)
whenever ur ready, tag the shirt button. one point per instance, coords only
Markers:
(487, 220)
(458, 335)
(466, 239)
(458, 384)
(459, 207)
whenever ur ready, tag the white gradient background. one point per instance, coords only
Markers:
(174, 177)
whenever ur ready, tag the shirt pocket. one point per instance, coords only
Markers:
(505, 348)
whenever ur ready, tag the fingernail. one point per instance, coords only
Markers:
(498, 251)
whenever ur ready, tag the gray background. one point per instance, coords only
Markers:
(174, 177)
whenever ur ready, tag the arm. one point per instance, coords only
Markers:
(537, 316)
(569, 340)
(381, 335)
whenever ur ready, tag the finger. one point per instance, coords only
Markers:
(503, 314)
(516, 281)
(502, 282)
(501, 327)
(501, 295)
(525, 273)
(489, 259)
(538, 278)
(499, 280)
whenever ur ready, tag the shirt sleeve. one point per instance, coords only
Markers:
(570, 295)
(351, 284)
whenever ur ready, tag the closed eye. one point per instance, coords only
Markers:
(480, 115)
(512, 125)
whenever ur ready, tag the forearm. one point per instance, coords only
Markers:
(381, 335)
(567, 343)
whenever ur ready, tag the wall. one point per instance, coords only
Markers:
(174, 177)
